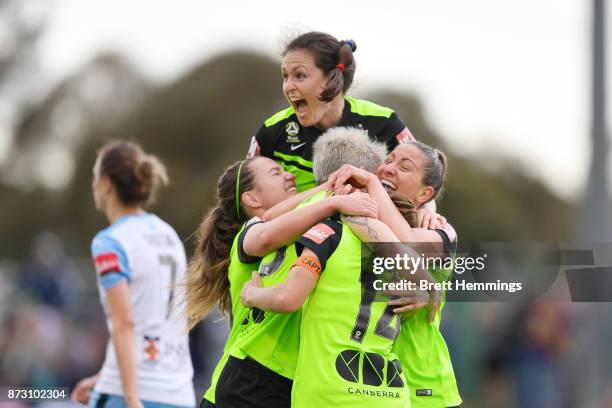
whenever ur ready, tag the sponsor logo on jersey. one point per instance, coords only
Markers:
(350, 364)
(373, 393)
(404, 136)
(151, 349)
(292, 129)
(107, 262)
(426, 392)
(319, 233)
(294, 147)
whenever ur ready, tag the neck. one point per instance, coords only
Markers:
(114, 211)
(334, 115)
(256, 212)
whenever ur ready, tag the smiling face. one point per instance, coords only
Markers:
(272, 183)
(403, 171)
(303, 83)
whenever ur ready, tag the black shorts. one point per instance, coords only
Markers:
(248, 384)
(206, 404)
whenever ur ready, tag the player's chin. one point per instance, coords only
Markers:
(307, 120)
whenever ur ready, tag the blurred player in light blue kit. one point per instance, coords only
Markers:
(138, 260)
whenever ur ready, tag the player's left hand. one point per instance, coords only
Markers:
(348, 174)
(246, 294)
(429, 219)
(410, 301)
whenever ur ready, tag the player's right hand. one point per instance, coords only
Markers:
(356, 204)
(246, 293)
(82, 391)
(133, 403)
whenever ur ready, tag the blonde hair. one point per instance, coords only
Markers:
(345, 145)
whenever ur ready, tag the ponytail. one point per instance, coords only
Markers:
(207, 282)
(135, 174)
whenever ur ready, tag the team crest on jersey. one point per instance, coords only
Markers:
(292, 129)
(151, 349)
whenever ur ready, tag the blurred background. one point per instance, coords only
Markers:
(512, 90)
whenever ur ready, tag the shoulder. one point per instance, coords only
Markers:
(366, 108)
(326, 230)
(270, 132)
(279, 117)
(105, 239)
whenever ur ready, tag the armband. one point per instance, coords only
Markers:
(310, 263)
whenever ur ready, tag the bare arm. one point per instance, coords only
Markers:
(285, 297)
(82, 391)
(122, 333)
(265, 237)
(387, 211)
(291, 203)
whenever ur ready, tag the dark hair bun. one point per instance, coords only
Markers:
(352, 44)
(135, 174)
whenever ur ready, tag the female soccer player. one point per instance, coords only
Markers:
(417, 172)
(233, 238)
(138, 259)
(317, 72)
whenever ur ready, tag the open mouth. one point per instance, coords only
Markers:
(389, 186)
(300, 106)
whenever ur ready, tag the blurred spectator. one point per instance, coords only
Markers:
(51, 275)
(529, 355)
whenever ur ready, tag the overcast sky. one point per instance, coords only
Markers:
(509, 75)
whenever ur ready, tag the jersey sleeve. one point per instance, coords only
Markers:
(322, 239)
(110, 260)
(397, 132)
(262, 143)
(243, 256)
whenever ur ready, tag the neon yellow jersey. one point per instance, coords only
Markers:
(271, 339)
(239, 271)
(425, 359)
(346, 343)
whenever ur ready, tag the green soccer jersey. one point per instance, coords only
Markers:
(424, 355)
(269, 338)
(272, 339)
(346, 341)
(282, 138)
(239, 271)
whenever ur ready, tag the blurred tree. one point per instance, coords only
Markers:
(52, 136)
(21, 82)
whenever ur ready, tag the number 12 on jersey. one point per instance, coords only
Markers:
(387, 326)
